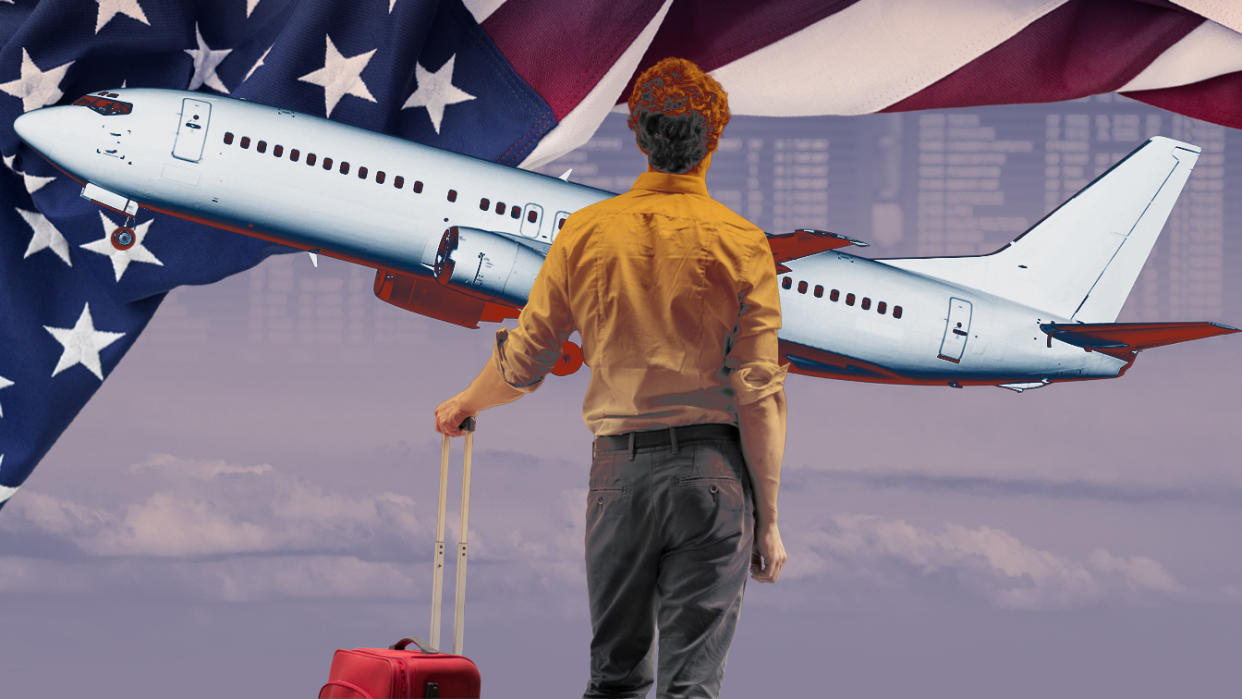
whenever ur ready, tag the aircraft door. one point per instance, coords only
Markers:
(532, 218)
(956, 330)
(192, 132)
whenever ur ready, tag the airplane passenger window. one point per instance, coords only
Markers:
(819, 291)
(398, 181)
(500, 207)
(849, 299)
(452, 195)
(362, 172)
(834, 295)
(881, 307)
(310, 158)
(228, 138)
(261, 146)
(278, 151)
(532, 216)
(484, 204)
(379, 177)
(896, 311)
(245, 142)
(515, 211)
(786, 283)
(327, 163)
(866, 303)
(293, 154)
(344, 168)
(418, 186)
(801, 287)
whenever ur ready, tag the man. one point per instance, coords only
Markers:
(676, 299)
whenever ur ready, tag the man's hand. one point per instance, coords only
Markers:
(451, 413)
(768, 556)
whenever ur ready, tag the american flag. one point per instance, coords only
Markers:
(516, 81)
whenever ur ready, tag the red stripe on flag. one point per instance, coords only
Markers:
(1084, 47)
(1218, 99)
(562, 48)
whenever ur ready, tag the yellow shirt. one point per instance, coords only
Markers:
(672, 293)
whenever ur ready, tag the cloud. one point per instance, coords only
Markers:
(983, 561)
(211, 529)
(1130, 493)
(215, 530)
(230, 579)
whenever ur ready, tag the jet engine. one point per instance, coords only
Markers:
(487, 265)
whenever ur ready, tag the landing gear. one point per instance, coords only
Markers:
(123, 237)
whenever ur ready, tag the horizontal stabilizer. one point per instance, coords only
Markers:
(1131, 337)
(803, 242)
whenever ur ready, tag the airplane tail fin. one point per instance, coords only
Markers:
(1081, 260)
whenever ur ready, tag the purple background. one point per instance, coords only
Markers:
(254, 485)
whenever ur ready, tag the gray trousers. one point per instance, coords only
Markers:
(668, 542)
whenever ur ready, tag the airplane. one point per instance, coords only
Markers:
(461, 239)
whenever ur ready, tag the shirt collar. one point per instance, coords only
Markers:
(668, 182)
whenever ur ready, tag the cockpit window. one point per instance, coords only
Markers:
(103, 104)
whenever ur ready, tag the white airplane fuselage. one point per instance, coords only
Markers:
(946, 333)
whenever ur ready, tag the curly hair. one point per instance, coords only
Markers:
(677, 113)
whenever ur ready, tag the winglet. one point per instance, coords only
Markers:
(565, 175)
(314, 255)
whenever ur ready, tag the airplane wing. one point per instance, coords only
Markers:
(1124, 339)
(803, 242)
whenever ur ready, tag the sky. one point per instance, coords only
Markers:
(232, 509)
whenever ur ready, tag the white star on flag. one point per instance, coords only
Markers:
(33, 182)
(436, 91)
(258, 63)
(111, 8)
(5, 491)
(250, 5)
(45, 236)
(36, 88)
(4, 383)
(340, 76)
(82, 343)
(206, 60)
(122, 258)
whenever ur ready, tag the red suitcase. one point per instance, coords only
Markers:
(397, 673)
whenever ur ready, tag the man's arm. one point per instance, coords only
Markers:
(486, 391)
(522, 356)
(758, 384)
(762, 426)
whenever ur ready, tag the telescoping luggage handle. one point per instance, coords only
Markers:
(437, 580)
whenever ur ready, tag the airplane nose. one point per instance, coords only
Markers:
(45, 129)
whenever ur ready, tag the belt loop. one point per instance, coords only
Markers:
(672, 437)
(631, 447)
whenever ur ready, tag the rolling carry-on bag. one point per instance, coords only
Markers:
(398, 672)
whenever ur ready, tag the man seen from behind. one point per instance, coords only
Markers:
(675, 298)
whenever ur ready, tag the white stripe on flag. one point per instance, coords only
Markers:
(1226, 12)
(1208, 51)
(482, 9)
(582, 121)
(872, 54)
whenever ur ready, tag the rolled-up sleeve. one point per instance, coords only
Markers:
(525, 354)
(752, 359)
